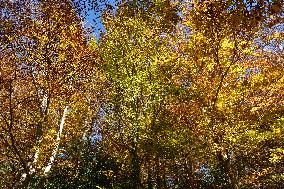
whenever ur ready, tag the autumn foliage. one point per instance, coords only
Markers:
(170, 94)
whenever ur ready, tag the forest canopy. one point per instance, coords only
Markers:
(142, 94)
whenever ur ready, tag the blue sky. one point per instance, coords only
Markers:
(93, 20)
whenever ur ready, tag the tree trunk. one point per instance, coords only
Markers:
(135, 166)
(54, 153)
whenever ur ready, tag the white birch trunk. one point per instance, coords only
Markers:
(32, 165)
(85, 137)
(59, 133)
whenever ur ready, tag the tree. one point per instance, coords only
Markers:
(41, 77)
(174, 94)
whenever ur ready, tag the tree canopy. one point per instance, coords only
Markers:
(170, 94)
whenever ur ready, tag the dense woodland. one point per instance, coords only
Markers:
(169, 94)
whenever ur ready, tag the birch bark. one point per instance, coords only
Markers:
(57, 142)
